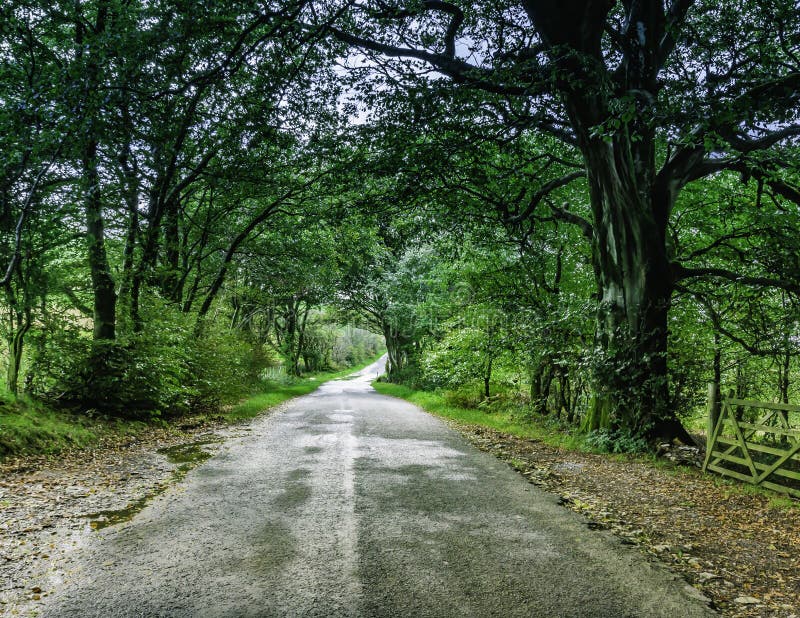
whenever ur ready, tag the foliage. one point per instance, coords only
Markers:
(539, 201)
(618, 119)
(616, 441)
(164, 369)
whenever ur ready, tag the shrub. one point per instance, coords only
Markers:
(166, 369)
(616, 441)
(465, 396)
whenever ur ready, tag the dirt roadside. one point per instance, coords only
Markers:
(738, 549)
(50, 505)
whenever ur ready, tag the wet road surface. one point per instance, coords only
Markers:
(349, 503)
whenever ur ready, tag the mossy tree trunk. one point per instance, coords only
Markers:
(630, 208)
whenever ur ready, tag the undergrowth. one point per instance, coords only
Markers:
(501, 415)
(28, 427)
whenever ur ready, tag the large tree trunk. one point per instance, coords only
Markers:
(611, 110)
(611, 113)
(635, 287)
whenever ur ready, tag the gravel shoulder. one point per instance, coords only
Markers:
(50, 506)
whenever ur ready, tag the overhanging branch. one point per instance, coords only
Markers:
(543, 192)
(682, 273)
(676, 15)
(563, 213)
(458, 70)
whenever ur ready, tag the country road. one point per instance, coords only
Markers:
(349, 503)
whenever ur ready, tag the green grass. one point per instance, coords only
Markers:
(435, 403)
(504, 421)
(783, 503)
(29, 428)
(275, 393)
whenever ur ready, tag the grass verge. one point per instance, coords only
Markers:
(30, 428)
(502, 420)
(552, 435)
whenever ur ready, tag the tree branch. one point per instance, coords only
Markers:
(543, 192)
(676, 14)
(747, 145)
(717, 323)
(681, 273)
(706, 167)
(458, 70)
(15, 257)
(564, 214)
(717, 243)
(76, 302)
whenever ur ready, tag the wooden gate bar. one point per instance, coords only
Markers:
(722, 449)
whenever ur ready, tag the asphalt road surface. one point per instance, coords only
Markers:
(350, 503)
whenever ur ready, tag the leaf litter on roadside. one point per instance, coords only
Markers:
(48, 504)
(740, 549)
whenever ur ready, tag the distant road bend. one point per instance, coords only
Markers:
(349, 503)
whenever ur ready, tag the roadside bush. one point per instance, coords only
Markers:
(223, 366)
(611, 441)
(465, 396)
(411, 376)
(59, 349)
(136, 376)
(164, 370)
(471, 395)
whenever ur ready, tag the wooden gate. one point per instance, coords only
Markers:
(764, 452)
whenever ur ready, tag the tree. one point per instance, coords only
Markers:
(31, 146)
(653, 98)
(388, 286)
(163, 139)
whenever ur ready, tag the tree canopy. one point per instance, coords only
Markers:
(591, 205)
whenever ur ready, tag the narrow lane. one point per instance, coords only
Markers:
(349, 503)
